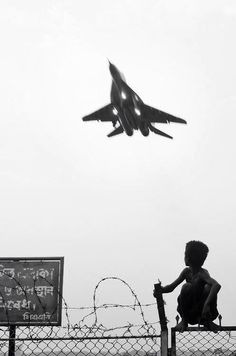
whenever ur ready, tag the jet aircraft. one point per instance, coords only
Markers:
(127, 112)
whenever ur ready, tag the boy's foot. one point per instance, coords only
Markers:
(182, 326)
(211, 326)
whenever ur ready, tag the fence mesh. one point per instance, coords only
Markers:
(81, 341)
(207, 343)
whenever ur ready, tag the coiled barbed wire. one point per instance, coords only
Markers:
(81, 325)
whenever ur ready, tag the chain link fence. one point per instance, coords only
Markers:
(84, 341)
(194, 342)
(82, 333)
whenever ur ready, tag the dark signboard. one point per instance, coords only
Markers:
(31, 291)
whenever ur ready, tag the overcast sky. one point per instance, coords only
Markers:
(123, 206)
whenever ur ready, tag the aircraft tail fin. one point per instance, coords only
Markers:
(117, 131)
(158, 132)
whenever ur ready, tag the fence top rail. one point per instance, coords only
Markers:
(202, 328)
(81, 338)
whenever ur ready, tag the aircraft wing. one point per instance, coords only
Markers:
(107, 113)
(154, 115)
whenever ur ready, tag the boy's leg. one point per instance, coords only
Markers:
(185, 304)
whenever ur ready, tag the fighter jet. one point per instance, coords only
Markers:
(127, 112)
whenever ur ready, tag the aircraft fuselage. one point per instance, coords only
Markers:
(127, 104)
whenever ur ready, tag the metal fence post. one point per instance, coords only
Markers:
(173, 342)
(12, 335)
(164, 343)
(162, 318)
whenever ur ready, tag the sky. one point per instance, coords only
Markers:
(124, 206)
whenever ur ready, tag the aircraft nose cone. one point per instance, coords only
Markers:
(109, 63)
(113, 70)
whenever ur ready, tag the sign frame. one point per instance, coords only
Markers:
(59, 297)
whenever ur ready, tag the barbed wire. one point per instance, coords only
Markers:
(111, 305)
(82, 325)
(136, 299)
(93, 311)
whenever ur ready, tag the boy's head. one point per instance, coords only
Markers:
(195, 253)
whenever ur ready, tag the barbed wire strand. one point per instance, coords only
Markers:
(95, 327)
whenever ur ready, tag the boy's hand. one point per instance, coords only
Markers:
(155, 294)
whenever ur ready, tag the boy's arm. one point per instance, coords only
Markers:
(170, 287)
(215, 287)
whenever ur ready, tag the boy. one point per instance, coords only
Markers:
(197, 302)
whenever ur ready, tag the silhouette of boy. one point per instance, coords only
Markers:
(197, 302)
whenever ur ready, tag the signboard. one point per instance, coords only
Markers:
(31, 291)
